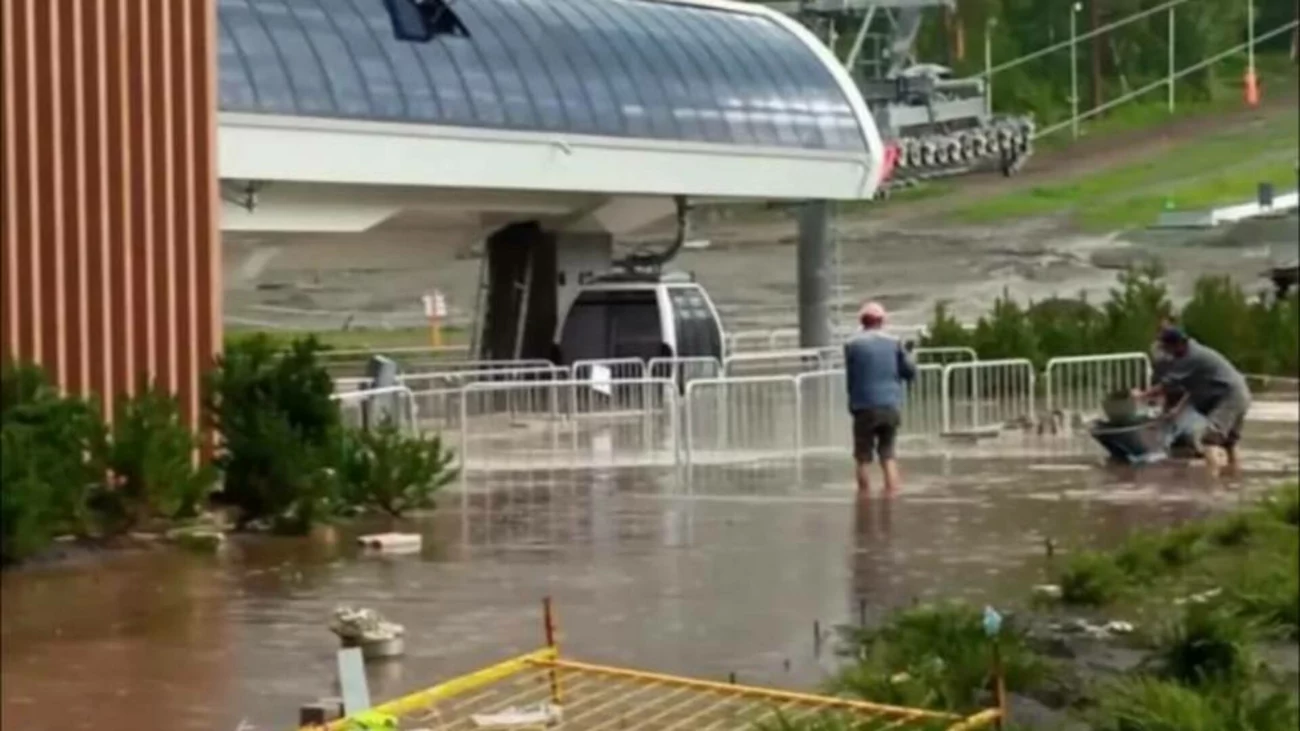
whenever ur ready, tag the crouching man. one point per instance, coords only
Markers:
(1214, 389)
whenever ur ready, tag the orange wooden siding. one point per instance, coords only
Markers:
(109, 197)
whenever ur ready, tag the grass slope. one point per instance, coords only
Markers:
(1219, 169)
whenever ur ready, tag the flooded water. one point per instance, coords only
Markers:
(722, 570)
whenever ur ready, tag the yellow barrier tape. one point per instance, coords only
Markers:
(983, 719)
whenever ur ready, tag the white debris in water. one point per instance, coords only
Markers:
(543, 713)
(1096, 631)
(364, 625)
(1050, 591)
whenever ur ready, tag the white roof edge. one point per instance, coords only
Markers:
(268, 147)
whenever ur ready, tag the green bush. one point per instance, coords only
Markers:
(47, 469)
(1207, 645)
(149, 455)
(383, 469)
(1090, 578)
(1284, 504)
(1261, 336)
(1150, 704)
(1262, 584)
(279, 431)
(935, 656)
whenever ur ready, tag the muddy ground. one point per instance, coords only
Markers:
(905, 253)
(749, 269)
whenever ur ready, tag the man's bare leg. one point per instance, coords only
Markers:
(864, 477)
(1232, 457)
(892, 478)
(1215, 459)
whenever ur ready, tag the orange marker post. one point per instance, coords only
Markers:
(435, 308)
(1252, 88)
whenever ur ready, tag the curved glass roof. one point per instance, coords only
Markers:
(620, 68)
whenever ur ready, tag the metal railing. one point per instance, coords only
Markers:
(1077, 384)
(753, 417)
(568, 423)
(609, 369)
(823, 411)
(823, 408)
(367, 408)
(684, 370)
(433, 378)
(542, 418)
(787, 338)
(780, 362)
(923, 407)
(987, 393)
(943, 355)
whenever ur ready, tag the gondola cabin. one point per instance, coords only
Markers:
(639, 316)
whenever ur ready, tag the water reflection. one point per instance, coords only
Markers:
(871, 564)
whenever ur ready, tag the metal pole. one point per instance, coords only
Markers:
(814, 274)
(1074, 69)
(988, 65)
(1172, 70)
(1250, 37)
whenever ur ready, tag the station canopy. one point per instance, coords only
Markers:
(705, 76)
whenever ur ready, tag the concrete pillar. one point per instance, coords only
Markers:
(815, 274)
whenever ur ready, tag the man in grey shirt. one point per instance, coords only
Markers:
(1214, 389)
(876, 365)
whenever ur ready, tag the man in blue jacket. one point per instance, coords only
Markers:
(876, 365)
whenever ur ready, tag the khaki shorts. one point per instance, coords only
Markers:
(874, 433)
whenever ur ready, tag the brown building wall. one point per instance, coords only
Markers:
(109, 198)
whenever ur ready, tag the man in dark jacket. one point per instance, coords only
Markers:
(876, 365)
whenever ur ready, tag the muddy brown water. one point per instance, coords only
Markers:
(721, 570)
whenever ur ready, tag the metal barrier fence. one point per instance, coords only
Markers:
(824, 409)
(787, 338)
(607, 369)
(753, 417)
(568, 423)
(943, 355)
(1077, 384)
(684, 370)
(412, 364)
(428, 375)
(368, 408)
(923, 407)
(987, 393)
(748, 340)
(544, 417)
(779, 362)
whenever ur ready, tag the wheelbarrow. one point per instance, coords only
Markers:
(1136, 436)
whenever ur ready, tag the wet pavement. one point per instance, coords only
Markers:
(720, 569)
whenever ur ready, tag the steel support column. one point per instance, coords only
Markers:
(815, 274)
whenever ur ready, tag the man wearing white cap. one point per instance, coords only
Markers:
(876, 365)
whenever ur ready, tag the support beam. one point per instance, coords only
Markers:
(815, 273)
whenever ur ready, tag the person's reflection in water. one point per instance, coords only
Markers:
(871, 538)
